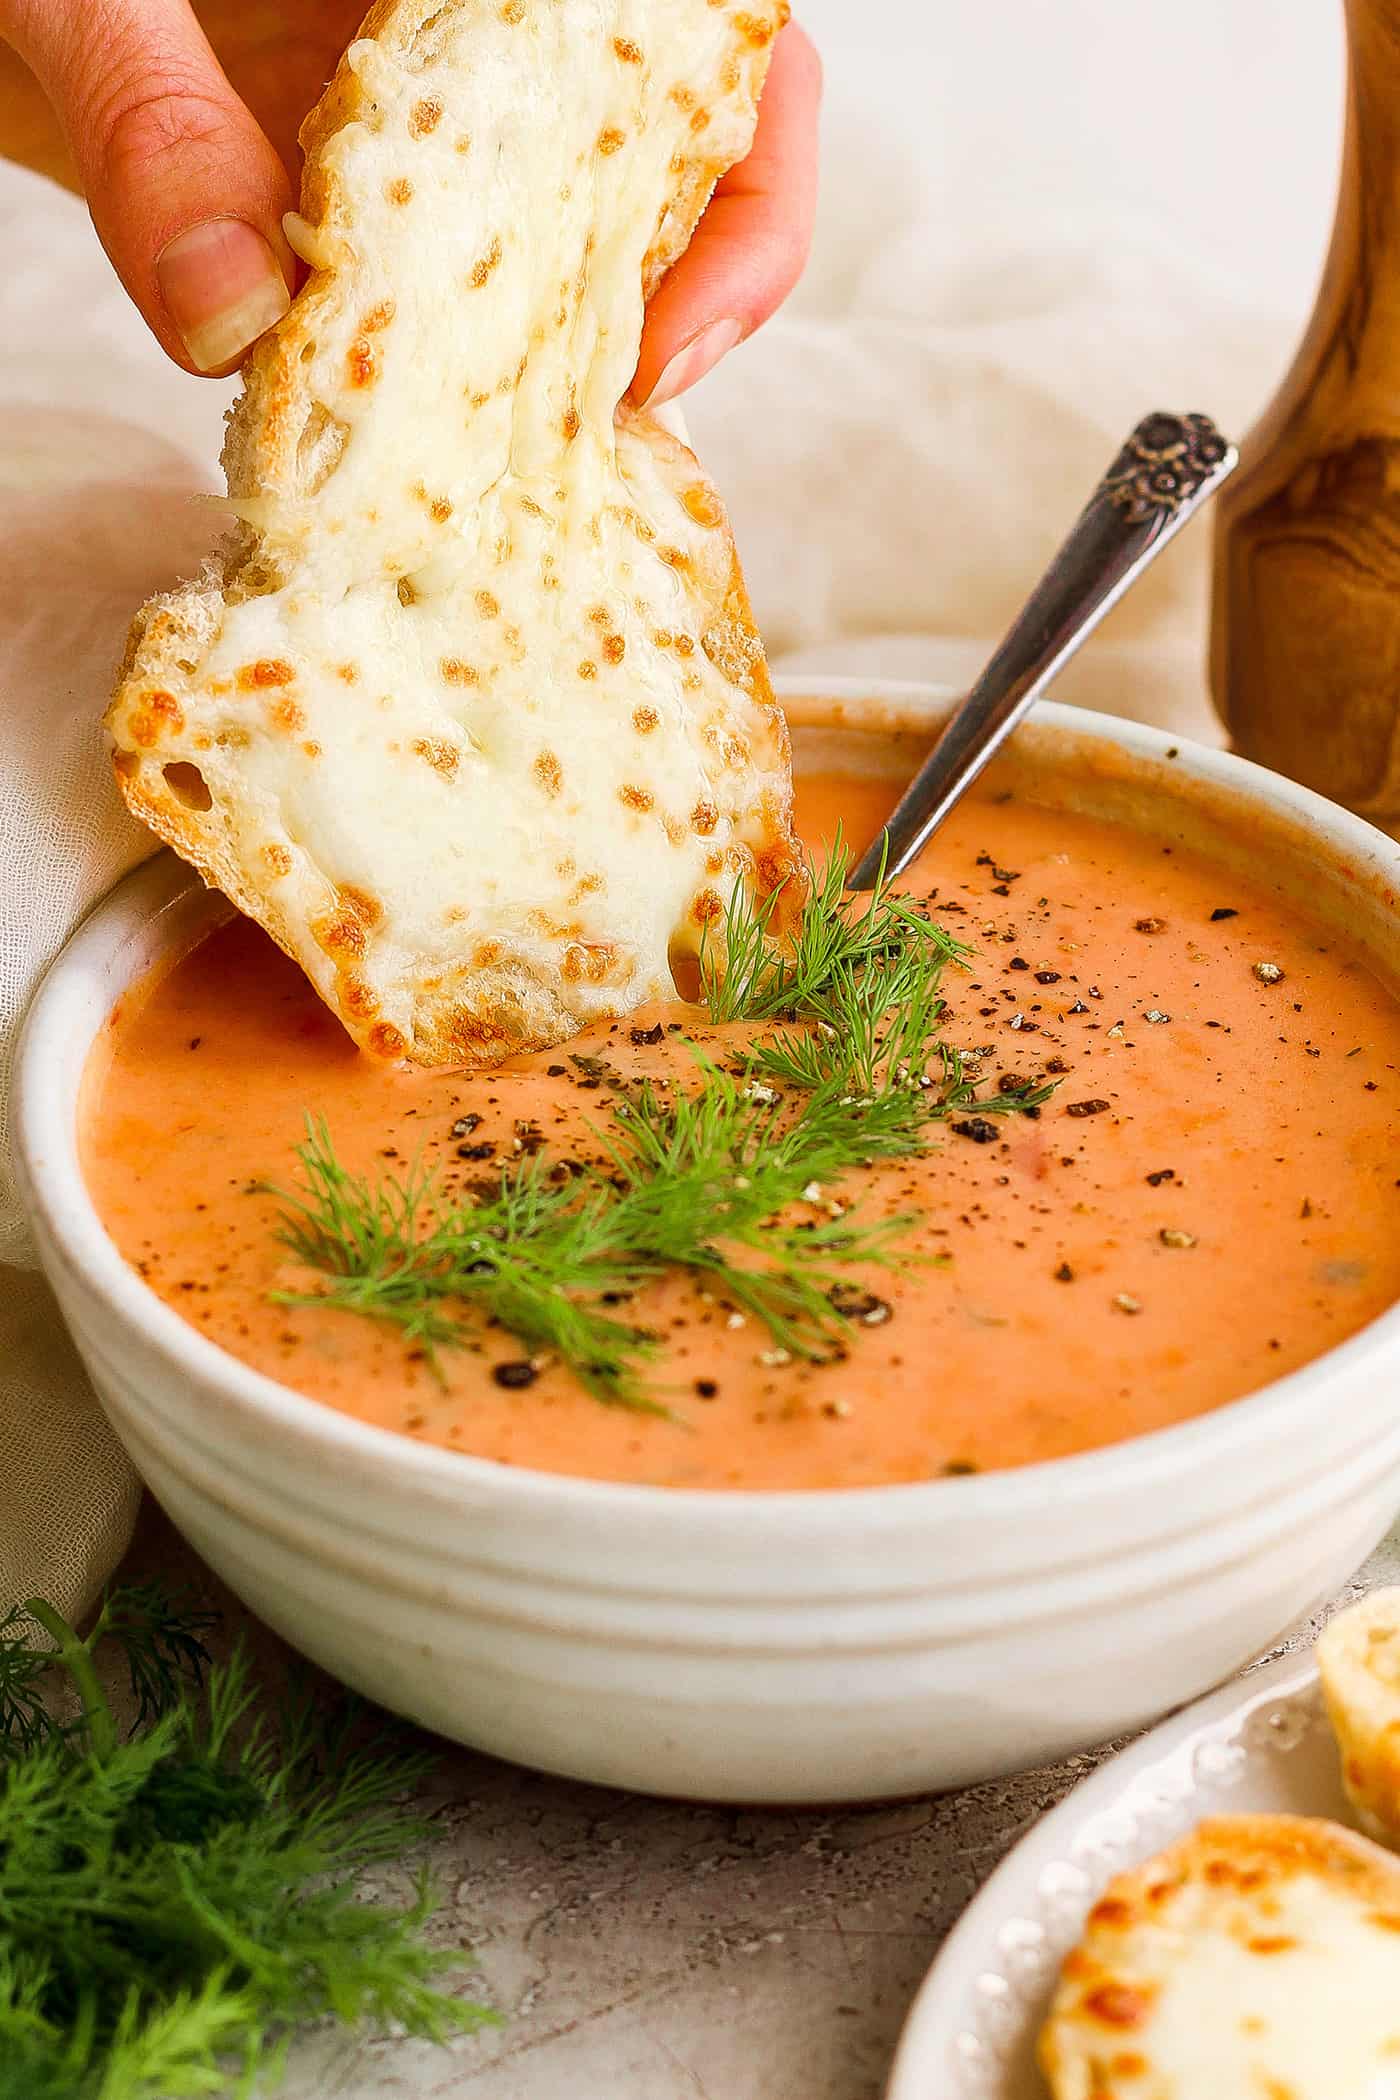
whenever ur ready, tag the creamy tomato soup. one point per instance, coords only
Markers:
(1209, 1200)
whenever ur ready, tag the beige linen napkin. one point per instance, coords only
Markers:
(902, 453)
(102, 446)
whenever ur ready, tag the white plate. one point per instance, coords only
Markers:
(1260, 1746)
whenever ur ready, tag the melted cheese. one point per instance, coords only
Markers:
(1257, 1960)
(481, 724)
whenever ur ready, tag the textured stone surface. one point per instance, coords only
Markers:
(643, 1950)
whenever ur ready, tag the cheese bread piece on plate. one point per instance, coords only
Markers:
(473, 717)
(1358, 1657)
(1258, 1959)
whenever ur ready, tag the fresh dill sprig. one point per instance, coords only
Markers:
(709, 1180)
(686, 1183)
(862, 989)
(536, 1257)
(173, 1903)
(158, 1634)
(749, 976)
(25, 1719)
(860, 985)
(702, 1178)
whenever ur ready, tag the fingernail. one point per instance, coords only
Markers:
(223, 287)
(694, 361)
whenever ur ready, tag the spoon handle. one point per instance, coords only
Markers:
(1168, 468)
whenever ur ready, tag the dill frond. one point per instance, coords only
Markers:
(702, 1180)
(24, 1717)
(160, 1635)
(750, 977)
(173, 1904)
(536, 1258)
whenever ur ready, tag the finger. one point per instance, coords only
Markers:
(751, 244)
(186, 193)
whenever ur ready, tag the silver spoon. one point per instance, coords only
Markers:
(1168, 468)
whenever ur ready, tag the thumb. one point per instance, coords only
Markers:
(186, 193)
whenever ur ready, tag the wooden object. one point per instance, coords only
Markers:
(1305, 651)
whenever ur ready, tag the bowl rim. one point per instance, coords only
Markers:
(51, 1181)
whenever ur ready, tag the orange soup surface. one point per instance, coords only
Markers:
(1210, 1199)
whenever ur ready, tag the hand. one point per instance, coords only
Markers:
(187, 181)
(750, 247)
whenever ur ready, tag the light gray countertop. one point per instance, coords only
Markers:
(646, 1950)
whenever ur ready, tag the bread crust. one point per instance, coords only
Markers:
(1358, 1657)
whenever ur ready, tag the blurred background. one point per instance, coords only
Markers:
(1218, 118)
(1215, 121)
(1039, 220)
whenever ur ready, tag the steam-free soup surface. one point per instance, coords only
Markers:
(1211, 1199)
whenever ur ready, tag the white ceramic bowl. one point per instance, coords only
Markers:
(764, 1647)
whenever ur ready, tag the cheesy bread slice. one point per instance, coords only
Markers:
(1358, 1657)
(473, 717)
(1258, 1958)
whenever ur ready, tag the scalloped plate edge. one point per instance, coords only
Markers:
(971, 2030)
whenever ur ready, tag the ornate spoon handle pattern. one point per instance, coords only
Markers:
(1169, 466)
